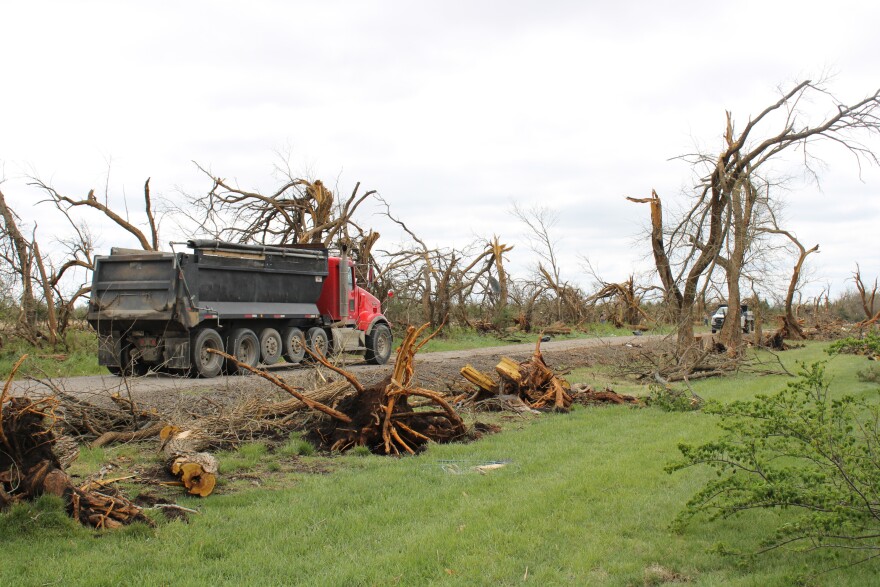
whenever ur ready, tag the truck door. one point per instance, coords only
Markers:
(352, 295)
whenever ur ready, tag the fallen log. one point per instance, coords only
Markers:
(586, 395)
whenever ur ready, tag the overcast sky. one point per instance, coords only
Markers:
(452, 110)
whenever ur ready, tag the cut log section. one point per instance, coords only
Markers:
(196, 470)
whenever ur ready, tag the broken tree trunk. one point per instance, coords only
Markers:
(481, 380)
(532, 381)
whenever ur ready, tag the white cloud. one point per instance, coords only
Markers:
(450, 109)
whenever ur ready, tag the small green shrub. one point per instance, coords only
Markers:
(801, 450)
(671, 400)
(851, 345)
(869, 375)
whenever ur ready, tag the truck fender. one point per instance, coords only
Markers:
(377, 320)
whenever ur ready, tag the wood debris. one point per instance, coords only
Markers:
(381, 418)
(585, 394)
(532, 381)
(29, 466)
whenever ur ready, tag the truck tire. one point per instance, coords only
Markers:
(317, 342)
(378, 344)
(244, 345)
(127, 367)
(294, 345)
(270, 346)
(205, 364)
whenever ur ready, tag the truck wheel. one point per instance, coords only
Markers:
(205, 364)
(244, 346)
(270, 346)
(127, 367)
(294, 345)
(316, 340)
(378, 345)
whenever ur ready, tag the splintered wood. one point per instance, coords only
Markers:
(531, 385)
(380, 417)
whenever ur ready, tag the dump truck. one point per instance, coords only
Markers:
(166, 311)
(746, 319)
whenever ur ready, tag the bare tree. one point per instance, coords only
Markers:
(147, 241)
(297, 211)
(20, 258)
(540, 221)
(790, 326)
(692, 248)
(866, 298)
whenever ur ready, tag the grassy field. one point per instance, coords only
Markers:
(79, 357)
(582, 500)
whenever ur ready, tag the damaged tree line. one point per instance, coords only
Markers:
(395, 416)
(722, 247)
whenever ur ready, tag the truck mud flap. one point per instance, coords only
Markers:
(176, 353)
(108, 351)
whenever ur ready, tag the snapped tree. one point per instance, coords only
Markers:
(686, 254)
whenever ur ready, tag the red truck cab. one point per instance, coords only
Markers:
(356, 314)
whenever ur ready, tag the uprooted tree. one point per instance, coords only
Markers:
(687, 252)
(32, 464)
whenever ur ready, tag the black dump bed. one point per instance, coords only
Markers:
(216, 280)
(133, 285)
(240, 280)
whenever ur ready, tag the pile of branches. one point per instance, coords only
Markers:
(123, 421)
(30, 465)
(186, 446)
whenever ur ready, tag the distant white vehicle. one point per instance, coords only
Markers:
(746, 319)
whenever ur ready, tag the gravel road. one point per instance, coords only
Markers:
(437, 370)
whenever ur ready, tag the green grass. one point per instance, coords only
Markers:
(456, 339)
(584, 500)
(78, 357)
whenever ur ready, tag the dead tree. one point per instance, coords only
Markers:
(540, 221)
(297, 211)
(147, 241)
(790, 326)
(685, 254)
(867, 299)
(20, 259)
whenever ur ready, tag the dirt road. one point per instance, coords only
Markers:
(437, 371)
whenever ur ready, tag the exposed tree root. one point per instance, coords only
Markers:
(29, 467)
(380, 417)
